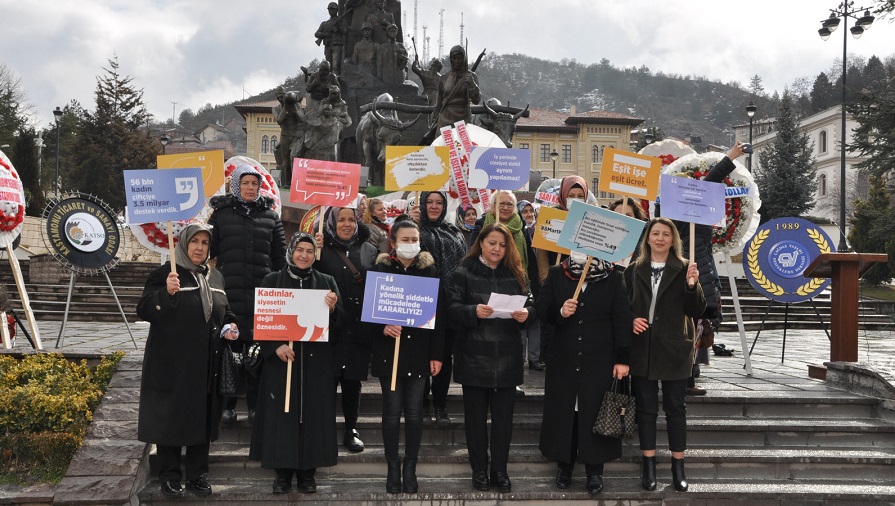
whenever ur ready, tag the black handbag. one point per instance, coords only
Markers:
(251, 359)
(616, 416)
(228, 379)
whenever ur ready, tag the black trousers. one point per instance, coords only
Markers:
(646, 395)
(569, 464)
(441, 383)
(408, 396)
(195, 462)
(476, 404)
(350, 399)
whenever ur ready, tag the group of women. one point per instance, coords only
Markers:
(635, 321)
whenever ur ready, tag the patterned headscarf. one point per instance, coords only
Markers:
(461, 215)
(598, 270)
(332, 221)
(236, 177)
(182, 258)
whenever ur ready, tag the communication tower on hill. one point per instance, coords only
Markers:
(461, 28)
(441, 33)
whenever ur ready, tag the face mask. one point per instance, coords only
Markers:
(408, 250)
(569, 201)
(578, 258)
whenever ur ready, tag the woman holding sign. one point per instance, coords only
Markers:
(591, 346)
(179, 404)
(665, 297)
(488, 352)
(300, 441)
(419, 355)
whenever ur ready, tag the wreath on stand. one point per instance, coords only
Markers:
(12, 208)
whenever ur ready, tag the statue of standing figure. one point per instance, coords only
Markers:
(430, 78)
(391, 58)
(292, 123)
(332, 33)
(456, 91)
(379, 20)
(318, 83)
(322, 135)
(364, 54)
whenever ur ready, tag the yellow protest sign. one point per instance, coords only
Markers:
(630, 174)
(547, 229)
(416, 168)
(211, 163)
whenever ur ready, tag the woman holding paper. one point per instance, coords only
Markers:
(346, 256)
(488, 353)
(591, 346)
(300, 441)
(179, 404)
(665, 297)
(419, 355)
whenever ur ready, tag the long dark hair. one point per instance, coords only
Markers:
(645, 249)
(511, 259)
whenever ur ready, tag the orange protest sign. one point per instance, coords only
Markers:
(547, 229)
(630, 174)
(211, 163)
(416, 168)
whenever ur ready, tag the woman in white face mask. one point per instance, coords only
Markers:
(420, 355)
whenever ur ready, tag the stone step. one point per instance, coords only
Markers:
(618, 490)
(730, 325)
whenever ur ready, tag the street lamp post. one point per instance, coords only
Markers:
(750, 111)
(164, 140)
(846, 10)
(553, 156)
(58, 114)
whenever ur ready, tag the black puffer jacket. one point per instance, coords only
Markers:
(352, 351)
(487, 353)
(247, 246)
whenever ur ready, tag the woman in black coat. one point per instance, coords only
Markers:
(665, 298)
(247, 241)
(300, 441)
(179, 404)
(488, 353)
(420, 355)
(346, 256)
(591, 346)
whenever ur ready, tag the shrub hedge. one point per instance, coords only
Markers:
(46, 404)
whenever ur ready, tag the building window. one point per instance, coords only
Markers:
(274, 143)
(523, 145)
(265, 144)
(545, 152)
(823, 141)
(566, 153)
(595, 154)
(822, 185)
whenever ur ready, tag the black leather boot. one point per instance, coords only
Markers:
(409, 475)
(393, 479)
(648, 473)
(677, 475)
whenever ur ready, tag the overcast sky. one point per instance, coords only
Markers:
(194, 52)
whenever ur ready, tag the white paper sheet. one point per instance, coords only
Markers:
(505, 305)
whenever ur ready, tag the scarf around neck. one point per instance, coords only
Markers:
(515, 225)
(599, 269)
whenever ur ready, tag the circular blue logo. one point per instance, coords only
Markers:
(788, 258)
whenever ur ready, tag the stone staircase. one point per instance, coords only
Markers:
(92, 299)
(827, 446)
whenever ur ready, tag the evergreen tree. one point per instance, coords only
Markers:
(872, 229)
(785, 174)
(823, 95)
(874, 138)
(875, 75)
(755, 86)
(112, 139)
(13, 109)
(27, 165)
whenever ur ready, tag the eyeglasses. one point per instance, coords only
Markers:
(506, 204)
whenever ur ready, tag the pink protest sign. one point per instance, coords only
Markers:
(324, 183)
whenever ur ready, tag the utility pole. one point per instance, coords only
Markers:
(173, 109)
(425, 44)
(461, 28)
(441, 33)
(415, 31)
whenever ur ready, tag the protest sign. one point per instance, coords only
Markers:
(692, 200)
(599, 233)
(324, 183)
(163, 195)
(211, 163)
(547, 229)
(287, 314)
(499, 168)
(630, 174)
(416, 168)
(396, 299)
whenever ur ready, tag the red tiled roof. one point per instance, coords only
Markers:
(543, 118)
(546, 119)
(262, 106)
(614, 118)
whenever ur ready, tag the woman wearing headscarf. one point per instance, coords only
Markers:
(248, 242)
(375, 218)
(591, 346)
(346, 256)
(188, 317)
(444, 241)
(466, 220)
(300, 441)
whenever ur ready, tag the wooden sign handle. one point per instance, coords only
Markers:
(320, 231)
(583, 276)
(289, 379)
(693, 247)
(395, 363)
(171, 247)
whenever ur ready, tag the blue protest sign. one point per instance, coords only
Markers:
(775, 259)
(499, 168)
(163, 195)
(599, 232)
(396, 299)
(692, 200)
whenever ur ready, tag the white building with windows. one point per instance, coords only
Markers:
(824, 134)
